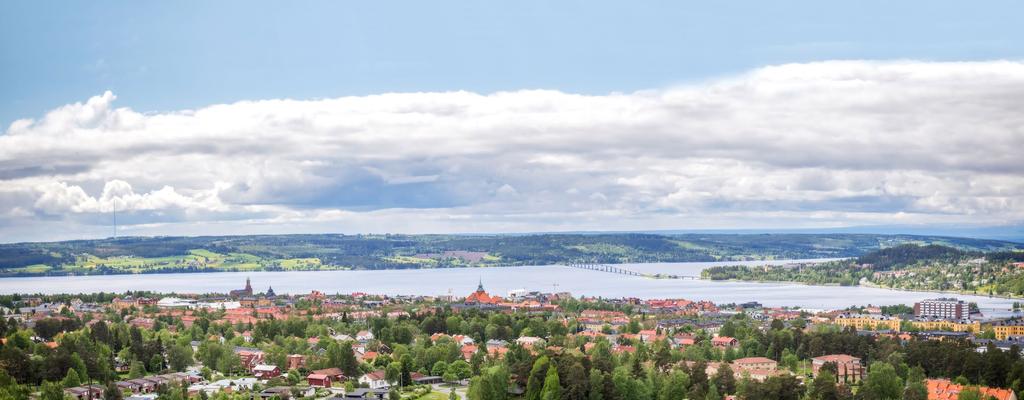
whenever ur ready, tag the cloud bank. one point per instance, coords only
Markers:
(824, 144)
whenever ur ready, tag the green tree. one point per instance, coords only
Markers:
(725, 379)
(52, 391)
(535, 382)
(71, 379)
(348, 362)
(156, 363)
(575, 382)
(596, 391)
(179, 357)
(461, 369)
(136, 370)
(882, 383)
(112, 392)
(675, 387)
(624, 383)
(552, 387)
(439, 368)
(393, 372)
(713, 393)
(916, 388)
(824, 386)
(79, 366)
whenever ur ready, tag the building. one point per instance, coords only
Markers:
(947, 308)
(756, 363)
(848, 368)
(724, 342)
(246, 292)
(868, 322)
(295, 361)
(266, 371)
(943, 389)
(480, 296)
(965, 325)
(319, 380)
(1008, 327)
(374, 380)
(335, 374)
(364, 394)
(286, 393)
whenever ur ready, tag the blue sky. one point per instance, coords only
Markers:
(160, 56)
(224, 117)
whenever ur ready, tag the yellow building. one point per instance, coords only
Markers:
(869, 322)
(945, 325)
(1007, 328)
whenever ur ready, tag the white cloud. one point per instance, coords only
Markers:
(830, 143)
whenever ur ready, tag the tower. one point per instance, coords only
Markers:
(248, 286)
(480, 287)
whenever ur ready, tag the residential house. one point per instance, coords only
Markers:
(374, 380)
(725, 342)
(848, 368)
(266, 371)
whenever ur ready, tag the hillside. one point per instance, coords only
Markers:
(907, 266)
(326, 251)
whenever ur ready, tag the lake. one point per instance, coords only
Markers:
(462, 281)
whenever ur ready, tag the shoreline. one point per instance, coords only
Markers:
(954, 292)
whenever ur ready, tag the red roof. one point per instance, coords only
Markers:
(753, 360)
(943, 389)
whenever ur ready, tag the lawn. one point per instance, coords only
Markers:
(433, 396)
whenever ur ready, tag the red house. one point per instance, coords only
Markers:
(335, 374)
(295, 361)
(724, 342)
(266, 371)
(319, 380)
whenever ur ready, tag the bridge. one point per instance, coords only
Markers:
(605, 268)
(621, 271)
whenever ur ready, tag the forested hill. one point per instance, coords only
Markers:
(906, 266)
(329, 251)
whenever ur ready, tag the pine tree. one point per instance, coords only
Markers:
(52, 391)
(596, 385)
(552, 387)
(535, 383)
(136, 370)
(713, 393)
(71, 379)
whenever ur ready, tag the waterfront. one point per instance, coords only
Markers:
(461, 281)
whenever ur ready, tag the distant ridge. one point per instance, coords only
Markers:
(338, 251)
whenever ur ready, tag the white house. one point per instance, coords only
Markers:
(375, 380)
(364, 336)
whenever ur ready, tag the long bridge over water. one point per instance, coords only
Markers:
(622, 271)
(605, 268)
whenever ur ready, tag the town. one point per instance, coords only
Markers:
(530, 345)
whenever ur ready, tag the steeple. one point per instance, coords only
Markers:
(480, 287)
(248, 285)
(270, 291)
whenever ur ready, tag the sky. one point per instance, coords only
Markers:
(203, 117)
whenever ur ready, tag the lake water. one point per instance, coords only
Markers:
(462, 281)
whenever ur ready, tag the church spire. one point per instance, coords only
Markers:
(480, 287)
